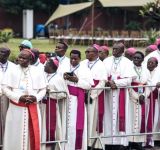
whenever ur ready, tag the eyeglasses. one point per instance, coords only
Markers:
(22, 47)
(100, 51)
(89, 51)
(58, 47)
(116, 48)
(137, 58)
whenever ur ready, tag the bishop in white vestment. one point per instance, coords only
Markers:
(54, 107)
(78, 79)
(120, 74)
(137, 106)
(96, 104)
(5, 66)
(25, 86)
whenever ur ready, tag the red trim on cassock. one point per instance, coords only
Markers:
(80, 93)
(51, 122)
(122, 118)
(153, 96)
(33, 124)
(142, 107)
(100, 109)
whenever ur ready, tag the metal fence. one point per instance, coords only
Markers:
(58, 118)
(142, 120)
(60, 122)
(108, 120)
(3, 110)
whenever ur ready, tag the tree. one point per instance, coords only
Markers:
(16, 6)
(151, 10)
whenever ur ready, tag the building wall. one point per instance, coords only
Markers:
(11, 21)
(15, 21)
(105, 18)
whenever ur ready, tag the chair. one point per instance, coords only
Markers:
(115, 33)
(135, 35)
(51, 35)
(124, 34)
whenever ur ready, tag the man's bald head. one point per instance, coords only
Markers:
(152, 63)
(118, 49)
(25, 57)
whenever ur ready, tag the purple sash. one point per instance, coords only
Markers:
(76, 91)
(100, 109)
(153, 96)
(122, 117)
(121, 108)
(51, 126)
(142, 108)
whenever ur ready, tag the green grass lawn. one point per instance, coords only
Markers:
(44, 45)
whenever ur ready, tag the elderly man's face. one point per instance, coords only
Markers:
(117, 50)
(4, 54)
(151, 64)
(60, 50)
(24, 59)
(102, 54)
(47, 67)
(90, 53)
(137, 59)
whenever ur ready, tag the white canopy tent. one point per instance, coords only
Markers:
(64, 10)
(124, 3)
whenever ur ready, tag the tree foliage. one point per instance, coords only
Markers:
(151, 10)
(72, 1)
(16, 6)
(6, 35)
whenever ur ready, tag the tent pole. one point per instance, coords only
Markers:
(67, 18)
(125, 18)
(92, 24)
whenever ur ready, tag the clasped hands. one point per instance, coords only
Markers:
(111, 84)
(27, 99)
(70, 78)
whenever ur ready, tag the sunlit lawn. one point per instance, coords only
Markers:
(44, 45)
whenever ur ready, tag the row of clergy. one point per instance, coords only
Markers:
(119, 112)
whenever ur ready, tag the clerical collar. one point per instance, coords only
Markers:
(92, 63)
(37, 63)
(117, 58)
(4, 66)
(60, 59)
(4, 63)
(25, 70)
(51, 75)
(116, 61)
(138, 70)
(72, 68)
(138, 67)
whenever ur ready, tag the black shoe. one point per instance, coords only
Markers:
(115, 147)
(108, 147)
(89, 148)
(119, 147)
(157, 143)
(135, 145)
(148, 147)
